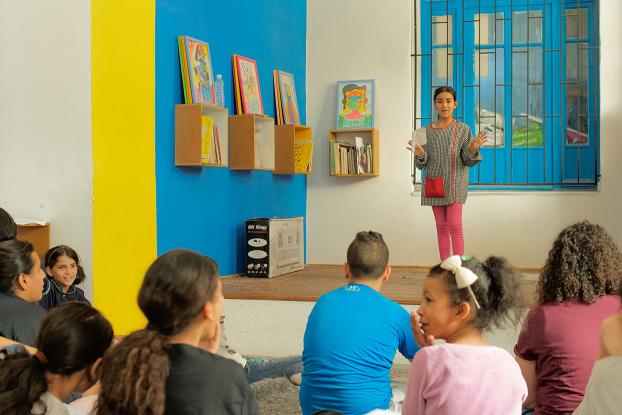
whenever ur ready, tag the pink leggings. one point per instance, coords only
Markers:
(449, 224)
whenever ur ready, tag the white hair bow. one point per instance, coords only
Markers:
(464, 276)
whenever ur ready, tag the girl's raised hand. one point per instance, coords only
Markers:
(480, 139)
(421, 338)
(211, 344)
(415, 148)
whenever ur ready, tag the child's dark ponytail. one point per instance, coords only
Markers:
(133, 376)
(71, 338)
(497, 290)
(175, 289)
(22, 382)
(502, 300)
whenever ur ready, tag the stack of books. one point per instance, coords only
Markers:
(348, 158)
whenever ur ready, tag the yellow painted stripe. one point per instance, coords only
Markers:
(124, 205)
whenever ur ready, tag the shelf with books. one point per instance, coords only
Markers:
(201, 135)
(251, 142)
(354, 152)
(293, 149)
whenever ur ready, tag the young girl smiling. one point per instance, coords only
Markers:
(62, 266)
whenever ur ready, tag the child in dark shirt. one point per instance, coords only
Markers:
(62, 266)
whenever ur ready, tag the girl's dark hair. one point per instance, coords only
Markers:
(442, 89)
(71, 338)
(52, 255)
(175, 289)
(497, 290)
(584, 263)
(15, 259)
(8, 228)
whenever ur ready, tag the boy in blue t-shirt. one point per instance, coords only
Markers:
(352, 335)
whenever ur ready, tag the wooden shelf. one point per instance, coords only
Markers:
(190, 150)
(288, 141)
(251, 142)
(37, 235)
(370, 136)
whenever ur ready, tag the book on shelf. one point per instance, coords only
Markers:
(277, 97)
(207, 133)
(303, 157)
(210, 141)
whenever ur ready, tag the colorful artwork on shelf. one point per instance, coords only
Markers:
(289, 102)
(355, 104)
(248, 80)
(199, 71)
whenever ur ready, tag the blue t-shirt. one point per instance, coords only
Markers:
(349, 345)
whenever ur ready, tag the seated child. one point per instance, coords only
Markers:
(70, 345)
(8, 227)
(258, 368)
(558, 344)
(64, 273)
(352, 336)
(602, 395)
(171, 366)
(465, 375)
(21, 284)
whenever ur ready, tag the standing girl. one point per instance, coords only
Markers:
(465, 375)
(70, 345)
(445, 157)
(64, 272)
(171, 366)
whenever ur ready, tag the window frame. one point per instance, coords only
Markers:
(555, 152)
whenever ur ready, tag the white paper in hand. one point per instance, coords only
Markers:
(420, 136)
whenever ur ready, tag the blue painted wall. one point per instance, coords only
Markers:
(204, 209)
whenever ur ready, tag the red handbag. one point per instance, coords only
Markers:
(434, 188)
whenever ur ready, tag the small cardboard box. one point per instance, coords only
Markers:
(274, 246)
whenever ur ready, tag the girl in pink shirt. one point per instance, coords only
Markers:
(465, 375)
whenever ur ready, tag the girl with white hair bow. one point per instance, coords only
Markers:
(465, 375)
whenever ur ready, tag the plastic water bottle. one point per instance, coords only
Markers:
(219, 90)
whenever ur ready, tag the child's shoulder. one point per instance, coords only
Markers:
(611, 334)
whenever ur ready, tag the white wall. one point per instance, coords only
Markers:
(360, 39)
(45, 118)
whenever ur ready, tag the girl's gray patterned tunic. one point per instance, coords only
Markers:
(447, 155)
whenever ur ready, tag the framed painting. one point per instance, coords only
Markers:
(200, 72)
(289, 102)
(248, 80)
(355, 104)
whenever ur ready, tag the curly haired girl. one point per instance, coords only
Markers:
(558, 343)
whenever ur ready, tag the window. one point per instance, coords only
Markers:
(526, 72)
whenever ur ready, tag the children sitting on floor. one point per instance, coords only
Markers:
(70, 345)
(352, 335)
(465, 375)
(558, 344)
